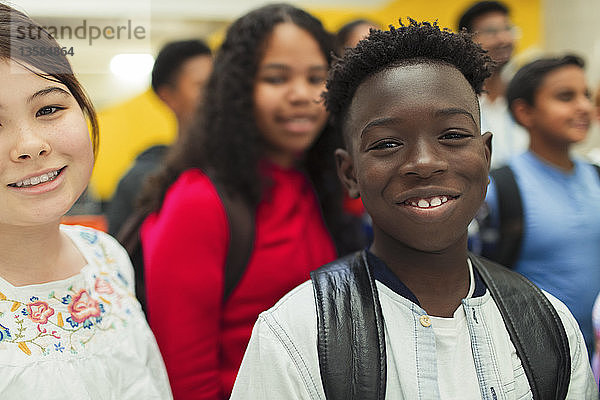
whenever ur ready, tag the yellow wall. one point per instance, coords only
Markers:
(526, 14)
(126, 130)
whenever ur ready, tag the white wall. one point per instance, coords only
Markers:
(574, 25)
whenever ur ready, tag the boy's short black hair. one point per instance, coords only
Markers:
(478, 9)
(172, 56)
(413, 44)
(528, 79)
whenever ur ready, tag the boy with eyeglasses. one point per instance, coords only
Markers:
(491, 27)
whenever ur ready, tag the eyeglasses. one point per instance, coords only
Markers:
(493, 31)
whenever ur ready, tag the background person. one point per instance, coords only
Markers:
(351, 33)
(263, 138)
(559, 194)
(179, 76)
(489, 23)
(347, 37)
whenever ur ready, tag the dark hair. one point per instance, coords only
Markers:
(225, 139)
(478, 9)
(171, 57)
(413, 44)
(528, 79)
(342, 35)
(54, 66)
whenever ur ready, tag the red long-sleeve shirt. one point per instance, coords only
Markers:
(201, 339)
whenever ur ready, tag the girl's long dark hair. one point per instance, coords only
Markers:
(225, 138)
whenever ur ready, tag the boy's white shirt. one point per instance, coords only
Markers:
(281, 361)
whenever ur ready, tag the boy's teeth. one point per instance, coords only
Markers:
(436, 201)
(423, 203)
(432, 202)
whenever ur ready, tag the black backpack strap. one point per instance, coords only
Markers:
(240, 217)
(241, 238)
(510, 209)
(352, 357)
(534, 326)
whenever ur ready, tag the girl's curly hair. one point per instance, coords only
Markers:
(225, 139)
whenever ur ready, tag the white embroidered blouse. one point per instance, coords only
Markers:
(81, 338)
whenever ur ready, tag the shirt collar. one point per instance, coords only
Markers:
(383, 274)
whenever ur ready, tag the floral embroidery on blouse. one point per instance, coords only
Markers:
(68, 321)
(39, 312)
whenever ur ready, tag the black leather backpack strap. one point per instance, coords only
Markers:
(510, 209)
(534, 326)
(351, 340)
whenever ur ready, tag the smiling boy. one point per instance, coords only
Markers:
(415, 316)
(551, 99)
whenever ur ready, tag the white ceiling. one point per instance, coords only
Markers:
(194, 9)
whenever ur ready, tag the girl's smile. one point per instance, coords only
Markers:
(303, 124)
(47, 154)
(39, 182)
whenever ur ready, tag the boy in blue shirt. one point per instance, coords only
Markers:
(556, 246)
